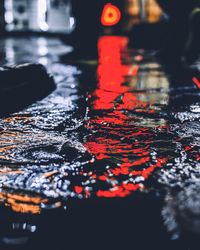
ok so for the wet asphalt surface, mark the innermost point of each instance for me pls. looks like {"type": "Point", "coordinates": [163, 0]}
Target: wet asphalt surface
{"type": "Point", "coordinates": [110, 159]}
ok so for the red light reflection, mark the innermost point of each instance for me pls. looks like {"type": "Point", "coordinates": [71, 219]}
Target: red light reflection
{"type": "Point", "coordinates": [112, 99]}
{"type": "Point", "coordinates": [196, 81]}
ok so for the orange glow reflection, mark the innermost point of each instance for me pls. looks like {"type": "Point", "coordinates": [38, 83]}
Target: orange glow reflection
{"type": "Point", "coordinates": [22, 203]}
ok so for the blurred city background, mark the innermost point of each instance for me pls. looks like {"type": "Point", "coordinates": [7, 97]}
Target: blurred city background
{"type": "Point", "coordinates": [40, 15]}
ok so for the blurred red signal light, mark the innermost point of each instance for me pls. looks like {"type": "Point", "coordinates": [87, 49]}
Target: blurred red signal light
{"type": "Point", "coordinates": [111, 15]}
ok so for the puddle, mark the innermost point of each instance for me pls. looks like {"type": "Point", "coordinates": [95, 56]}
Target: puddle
{"type": "Point", "coordinates": [113, 135]}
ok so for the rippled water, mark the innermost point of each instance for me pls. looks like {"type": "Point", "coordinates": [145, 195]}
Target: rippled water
{"type": "Point", "coordinates": [108, 135]}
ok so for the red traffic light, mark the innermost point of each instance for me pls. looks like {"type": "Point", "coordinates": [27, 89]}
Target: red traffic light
{"type": "Point", "coordinates": [111, 15]}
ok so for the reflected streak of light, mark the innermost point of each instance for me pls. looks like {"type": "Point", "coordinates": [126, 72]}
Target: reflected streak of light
{"type": "Point", "coordinates": [196, 81]}
{"type": "Point", "coordinates": [111, 75]}
{"type": "Point", "coordinates": [22, 203]}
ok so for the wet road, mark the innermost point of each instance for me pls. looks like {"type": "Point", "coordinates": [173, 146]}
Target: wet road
{"type": "Point", "coordinates": [110, 158]}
